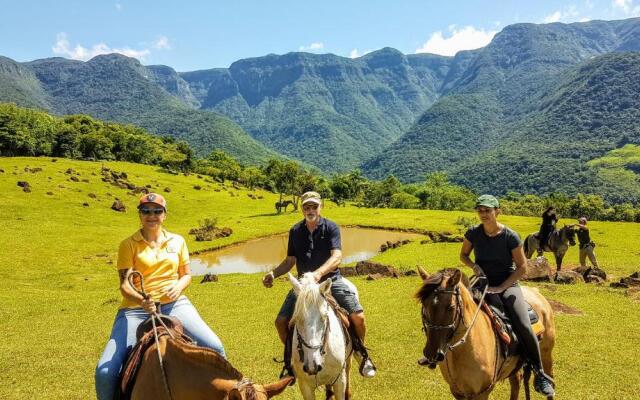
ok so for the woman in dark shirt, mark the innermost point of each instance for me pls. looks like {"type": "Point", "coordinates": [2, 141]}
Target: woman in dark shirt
{"type": "Point", "coordinates": [496, 249]}
{"type": "Point", "coordinates": [549, 219]}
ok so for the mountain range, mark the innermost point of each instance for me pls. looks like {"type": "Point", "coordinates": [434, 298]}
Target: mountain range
{"type": "Point", "coordinates": [526, 113]}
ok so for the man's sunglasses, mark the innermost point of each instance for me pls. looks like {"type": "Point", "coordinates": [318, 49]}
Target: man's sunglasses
{"type": "Point", "coordinates": [149, 211]}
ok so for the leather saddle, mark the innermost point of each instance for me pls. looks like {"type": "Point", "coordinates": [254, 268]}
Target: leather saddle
{"type": "Point", "coordinates": [146, 339]}
{"type": "Point", "coordinates": [502, 326]}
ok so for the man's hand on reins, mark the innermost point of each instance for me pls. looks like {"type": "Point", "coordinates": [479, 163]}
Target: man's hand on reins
{"type": "Point", "coordinates": [267, 279]}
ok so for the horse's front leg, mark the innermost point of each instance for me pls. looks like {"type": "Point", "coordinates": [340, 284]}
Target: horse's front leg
{"type": "Point", "coordinates": [308, 391]}
{"type": "Point", "coordinates": [514, 383]}
{"type": "Point", "coordinates": [559, 258]}
{"type": "Point", "coordinates": [340, 387]}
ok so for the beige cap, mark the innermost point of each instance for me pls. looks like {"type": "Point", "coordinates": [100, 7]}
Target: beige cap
{"type": "Point", "coordinates": [311, 197]}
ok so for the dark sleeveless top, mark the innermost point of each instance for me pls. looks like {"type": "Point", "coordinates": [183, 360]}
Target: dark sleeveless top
{"type": "Point", "coordinates": [493, 254]}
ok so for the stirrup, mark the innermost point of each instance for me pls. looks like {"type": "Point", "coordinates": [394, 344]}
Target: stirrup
{"type": "Point", "coordinates": [542, 382]}
{"type": "Point", "coordinates": [361, 369]}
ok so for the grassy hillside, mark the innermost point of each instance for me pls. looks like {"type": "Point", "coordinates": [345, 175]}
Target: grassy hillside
{"type": "Point", "coordinates": [59, 288]}
{"type": "Point", "coordinates": [528, 112]}
{"type": "Point", "coordinates": [332, 112]}
{"type": "Point", "coordinates": [113, 87]}
{"type": "Point", "coordinates": [19, 84]}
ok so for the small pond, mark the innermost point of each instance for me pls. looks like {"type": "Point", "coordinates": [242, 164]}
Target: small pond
{"type": "Point", "coordinates": [261, 255]}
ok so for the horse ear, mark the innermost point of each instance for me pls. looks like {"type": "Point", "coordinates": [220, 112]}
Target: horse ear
{"type": "Point", "coordinates": [274, 389]}
{"type": "Point", "coordinates": [295, 283]}
{"type": "Point", "coordinates": [325, 287]}
{"type": "Point", "coordinates": [455, 278]}
{"type": "Point", "coordinates": [423, 274]}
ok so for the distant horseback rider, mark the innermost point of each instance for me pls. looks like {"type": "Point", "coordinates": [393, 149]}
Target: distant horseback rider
{"type": "Point", "coordinates": [549, 219]}
{"type": "Point", "coordinates": [315, 246]}
{"type": "Point", "coordinates": [499, 256]}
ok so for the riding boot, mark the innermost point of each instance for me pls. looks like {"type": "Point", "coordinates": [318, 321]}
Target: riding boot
{"type": "Point", "coordinates": [367, 368]}
{"type": "Point", "coordinates": [541, 246]}
{"type": "Point", "coordinates": [543, 383]}
{"type": "Point", "coordinates": [287, 370]}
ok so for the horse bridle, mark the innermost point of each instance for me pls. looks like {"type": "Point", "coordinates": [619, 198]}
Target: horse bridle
{"type": "Point", "coordinates": [455, 323]}
{"type": "Point", "coordinates": [322, 346]}
{"type": "Point", "coordinates": [459, 317]}
{"type": "Point", "coordinates": [243, 384]}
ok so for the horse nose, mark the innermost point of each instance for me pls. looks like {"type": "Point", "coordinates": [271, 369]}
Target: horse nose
{"type": "Point", "coordinates": [319, 368]}
{"type": "Point", "coordinates": [440, 356]}
{"type": "Point", "coordinates": [311, 371]}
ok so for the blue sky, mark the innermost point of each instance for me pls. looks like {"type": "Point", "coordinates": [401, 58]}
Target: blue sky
{"type": "Point", "coordinates": [191, 35]}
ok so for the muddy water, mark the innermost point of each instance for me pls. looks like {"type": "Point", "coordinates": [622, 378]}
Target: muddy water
{"type": "Point", "coordinates": [261, 255]}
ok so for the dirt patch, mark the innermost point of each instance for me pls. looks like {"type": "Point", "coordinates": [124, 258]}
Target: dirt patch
{"type": "Point", "coordinates": [561, 308]}
{"type": "Point", "coordinates": [208, 233]}
{"type": "Point", "coordinates": [393, 245]}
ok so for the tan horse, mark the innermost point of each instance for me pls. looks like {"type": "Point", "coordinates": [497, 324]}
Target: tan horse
{"type": "Point", "coordinates": [472, 368]}
{"type": "Point", "coordinates": [195, 373]}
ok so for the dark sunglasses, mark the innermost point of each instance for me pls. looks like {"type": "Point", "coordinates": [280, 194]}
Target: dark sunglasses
{"type": "Point", "coordinates": [149, 211]}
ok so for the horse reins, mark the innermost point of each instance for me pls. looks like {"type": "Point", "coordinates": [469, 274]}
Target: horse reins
{"type": "Point", "coordinates": [155, 315]}
{"type": "Point", "coordinates": [459, 316]}
{"type": "Point", "coordinates": [456, 323]}
{"type": "Point", "coordinates": [323, 346]}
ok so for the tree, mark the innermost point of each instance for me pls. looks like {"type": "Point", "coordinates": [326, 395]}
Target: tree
{"type": "Point", "coordinates": [281, 176]}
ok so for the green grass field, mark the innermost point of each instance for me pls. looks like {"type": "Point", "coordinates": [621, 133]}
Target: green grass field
{"type": "Point", "coordinates": [59, 287]}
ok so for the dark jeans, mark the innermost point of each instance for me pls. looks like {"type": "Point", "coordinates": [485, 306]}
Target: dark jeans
{"type": "Point", "coordinates": [544, 234]}
{"type": "Point", "coordinates": [516, 308]}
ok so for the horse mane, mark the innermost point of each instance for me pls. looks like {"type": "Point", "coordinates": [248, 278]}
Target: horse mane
{"type": "Point", "coordinates": [434, 281]}
{"type": "Point", "coordinates": [308, 297]}
{"type": "Point", "coordinates": [207, 356]}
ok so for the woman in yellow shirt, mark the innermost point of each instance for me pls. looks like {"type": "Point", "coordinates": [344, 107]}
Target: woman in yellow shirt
{"type": "Point", "coordinates": [163, 260]}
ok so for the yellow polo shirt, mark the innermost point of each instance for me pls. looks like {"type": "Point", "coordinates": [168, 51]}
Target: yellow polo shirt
{"type": "Point", "coordinates": [158, 266]}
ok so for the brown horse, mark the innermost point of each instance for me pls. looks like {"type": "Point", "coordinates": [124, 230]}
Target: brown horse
{"type": "Point", "coordinates": [558, 244]}
{"type": "Point", "coordinates": [473, 364]}
{"type": "Point", "coordinates": [195, 373]}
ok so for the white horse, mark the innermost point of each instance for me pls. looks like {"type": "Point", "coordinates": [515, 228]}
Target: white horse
{"type": "Point", "coordinates": [321, 352]}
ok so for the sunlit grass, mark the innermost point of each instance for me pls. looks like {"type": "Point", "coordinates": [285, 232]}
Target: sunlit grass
{"type": "Point", "coordinates": [59, 289]}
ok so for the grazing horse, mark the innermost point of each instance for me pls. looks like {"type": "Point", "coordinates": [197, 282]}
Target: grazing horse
{"type": "Point", "coordinates": [323, 356]}
{"type": "Point", "coordinates": [283, 204]}
{"type": "Point", "coordinates": [189, 372]}
{"type": "Point", "coordinates": [463, 343]}
{"type": "Point", "coordinates": [558, 244]}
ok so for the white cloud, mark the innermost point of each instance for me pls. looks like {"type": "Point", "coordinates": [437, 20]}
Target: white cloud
{"type": "Point", "coordinates": [62, 47]}
{"type": "Point", "coordinates": [119, 6]}
{"type": "Point", "coordinates": [466, 38]}
{"type": "Point", "coordinates": [555, 17]}
{"type": "Point", "coordinates": [312, 47]}
{"type": "Point", "coordinates": [162, 43]}
{"type": "Point", "coordinates": [624, 5]}
{"type": "Point", "coordinates": [585, 19]}
{"type": "Point", "coordinates": [569, 14]}
{"type": "Point", "coordinates": [355, 53]}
